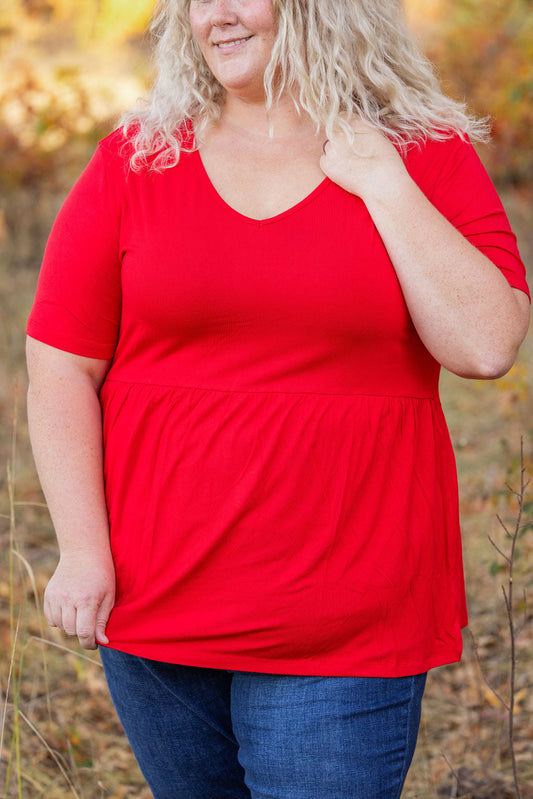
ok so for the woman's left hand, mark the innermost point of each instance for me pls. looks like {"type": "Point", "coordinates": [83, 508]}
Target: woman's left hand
{"type": "Point", "coordinates": [366, 166]}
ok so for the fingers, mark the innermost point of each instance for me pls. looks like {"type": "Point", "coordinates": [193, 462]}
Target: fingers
{"type": "Point", "coordinates": [87, 622]}
{"type": "Point", "coordinates": [68, 620]}
{"type": "Point", "coordinates": [80, 596]}
{"type": "Point", "coordinates": [101, 621]}
{"type": "Point", "coordinates": [364, 164]}
{"type": "Point", "coordinates": [48, 613]}
{"type": "Point", "coordinates": [85, 626]}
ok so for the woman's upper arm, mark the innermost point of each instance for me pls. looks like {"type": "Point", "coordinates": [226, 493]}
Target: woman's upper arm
{"type": "Point", "coordinates": [78, 302]}
{"type": "Point", "coordinates": [455, 181]}
{"type": "Point", "coordinates": [524, 309]}
{"type": "Point", "coordinates": [48, 365]}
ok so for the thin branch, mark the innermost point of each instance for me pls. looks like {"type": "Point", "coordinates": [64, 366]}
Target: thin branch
{"type": "Point", "coordinates": [507, 602]}
{"type": "Point", "coordinates": [459, 785]}
{"type": "Point", "coordinates": [502, 523]}
{"type": "Point", "coordinates": [508, 599]}
{"type": "Point", "coordinates": [498, 550]}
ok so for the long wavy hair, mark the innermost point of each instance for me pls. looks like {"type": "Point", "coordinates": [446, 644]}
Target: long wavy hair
{"type": "Point", "coordinates": [336, 58]}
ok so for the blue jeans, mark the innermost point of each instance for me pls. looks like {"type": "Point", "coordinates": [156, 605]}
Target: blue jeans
{"type": "Point", "coordinates": [200, 733]}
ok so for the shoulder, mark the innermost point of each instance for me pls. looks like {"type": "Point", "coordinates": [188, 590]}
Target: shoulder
{"type": "Point", "coordinates": [446, 164]}
{"type": "Point", "coordinates": [122, 143]}
{"type": "Point", "coordinates": [437, 153]}
{"type": "Point", "coordinates": [117, 146]}
{"type": "Point", "coordinates": [114, 159]}
{"type": "Point", "coordinates": [105, 177]}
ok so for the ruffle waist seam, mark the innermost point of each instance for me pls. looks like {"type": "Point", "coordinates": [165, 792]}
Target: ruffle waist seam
{"type": "Point", "coordinates": [179, 387]}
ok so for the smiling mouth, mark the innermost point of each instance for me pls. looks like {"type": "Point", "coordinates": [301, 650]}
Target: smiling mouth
{"type": "Point", "coordinates": [233, 43]}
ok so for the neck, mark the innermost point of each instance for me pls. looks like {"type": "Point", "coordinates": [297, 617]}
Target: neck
{"type": "Point", "coordinates": [252, 119]}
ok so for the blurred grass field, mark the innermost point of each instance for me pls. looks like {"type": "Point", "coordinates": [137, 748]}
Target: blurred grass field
{"type": "Point", "coordinates": [67, 70]}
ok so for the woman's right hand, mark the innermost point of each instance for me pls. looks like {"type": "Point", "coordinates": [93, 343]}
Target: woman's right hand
{"type": "Point", "coordinates": [81, 595]}
{"type": "Point", "coordinates": [65, 422]}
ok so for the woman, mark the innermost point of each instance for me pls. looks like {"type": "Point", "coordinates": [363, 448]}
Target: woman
{"type": "Point", "coordinates": [247, 297]}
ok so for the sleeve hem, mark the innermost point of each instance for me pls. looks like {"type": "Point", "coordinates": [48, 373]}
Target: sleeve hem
{"type": "Point", "coordinates": [86, 349]}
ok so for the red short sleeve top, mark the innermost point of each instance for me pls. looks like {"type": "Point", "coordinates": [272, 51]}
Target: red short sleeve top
{"type": "Point", "coordinates": [279, 476]}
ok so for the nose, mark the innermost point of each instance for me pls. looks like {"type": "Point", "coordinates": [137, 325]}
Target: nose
{"type": "Point", "coordinates": [224, 13]}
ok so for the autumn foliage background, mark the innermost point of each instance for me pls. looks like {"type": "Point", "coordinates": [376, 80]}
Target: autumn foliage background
{"type": "Point", "coordinates": [67, 70]}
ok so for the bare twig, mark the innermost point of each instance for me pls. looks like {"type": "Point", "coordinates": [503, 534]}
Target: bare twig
{"type": "Point", "coordinates": [498, 550]}
{"type": "Point", "coordinates": [502, 523]}
{"type": "Point", "coordinates": [458, 786]}
{"type": "Point", "coordinates": [507, 591]}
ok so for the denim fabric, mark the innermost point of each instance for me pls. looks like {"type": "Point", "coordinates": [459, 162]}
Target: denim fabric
{"type": "Point", "coordinates": [200, 733]}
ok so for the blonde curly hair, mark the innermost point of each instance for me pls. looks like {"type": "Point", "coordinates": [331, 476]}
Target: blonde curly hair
{"type": "Point", "coordinates": [336, 59]}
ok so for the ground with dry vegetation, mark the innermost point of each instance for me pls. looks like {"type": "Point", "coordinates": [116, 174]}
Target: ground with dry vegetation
{"type": "Point", "coordinates": [59, 735]}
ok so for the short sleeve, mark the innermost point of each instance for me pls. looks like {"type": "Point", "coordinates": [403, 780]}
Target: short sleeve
{"type": "Point", "coordinates": [453, 178]}
{"type": "Point", "coordinates": [78, 300]}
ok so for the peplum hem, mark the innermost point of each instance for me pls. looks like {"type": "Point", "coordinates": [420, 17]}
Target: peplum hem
{"type": "Point", "coordinates": [267, 539]}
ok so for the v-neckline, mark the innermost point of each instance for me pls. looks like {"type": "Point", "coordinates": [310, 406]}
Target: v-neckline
{"type": "Point", "coordinates": [266, 220]}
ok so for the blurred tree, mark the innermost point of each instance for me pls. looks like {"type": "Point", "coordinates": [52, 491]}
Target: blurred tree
{"type": "Point", "coordinates": [91, 21]}
{"type": "Point", "coordinates": [484, 51]}
{"type": "Point", "coordinates": [125, 17]}
{"type": "Point", "coordinates": [103, 21]}
{"type": "Point", "coordinates": [68, 67]}
{"type": "Point", "coordinates": [50, 102]}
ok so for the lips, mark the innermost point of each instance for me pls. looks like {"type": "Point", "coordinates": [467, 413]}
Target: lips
{"type": "Point", "coordinates": [231, 43]}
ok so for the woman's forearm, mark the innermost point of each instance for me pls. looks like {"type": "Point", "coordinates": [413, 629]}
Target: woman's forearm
{"type": "Point", "coordinates": [464, 310]}
{"type": "Point", "coordinates": [66, 433]}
